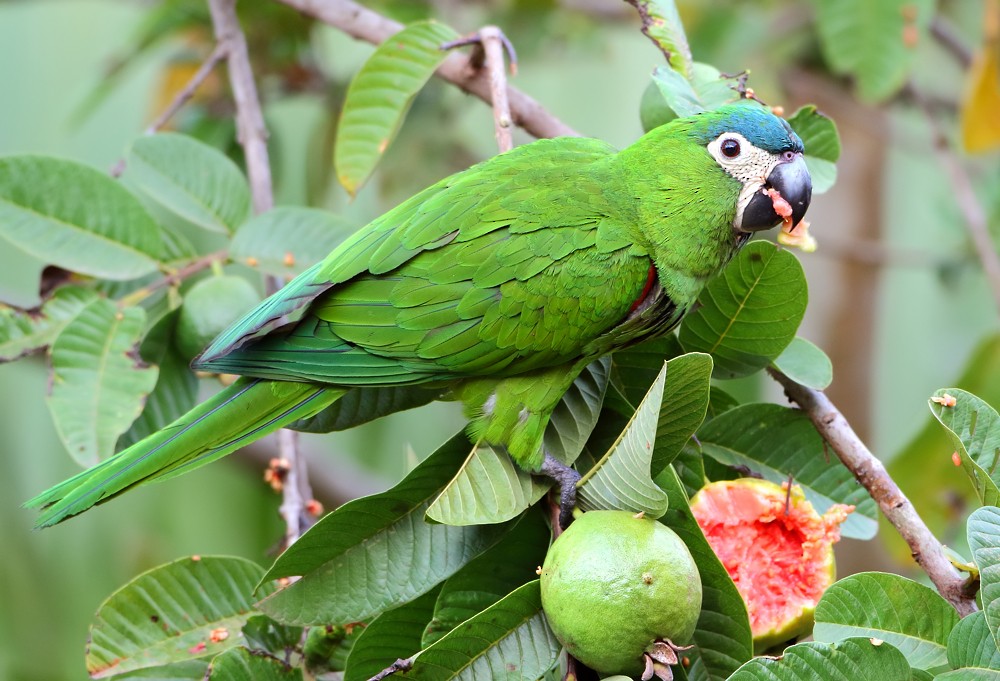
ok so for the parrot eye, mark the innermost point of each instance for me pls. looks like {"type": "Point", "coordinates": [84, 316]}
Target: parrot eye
{"type": "Point", "coordinates": [730, 148]}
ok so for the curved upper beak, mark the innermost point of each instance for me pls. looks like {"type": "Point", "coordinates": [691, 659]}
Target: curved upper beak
{"type": "Point", "coordinates": [791, 179]}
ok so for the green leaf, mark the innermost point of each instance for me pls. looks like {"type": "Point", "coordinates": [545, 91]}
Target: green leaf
{"type": "Point", "coordinates": [327, 648]}
{"type": "Point", "coordinates": [662, 24]}
{"type": "Point", "coordinates": [974, 429]}
{"type": "Point", "coordinates": [287, 240]}
{"type": "Point", "coordinates": [189, 670]}
{"type": "Point", "coordinates": [776, 442]}
{"type": "Point", "coordinates": [190, 179]}
{"type": "Point", "coordinates": [868, 41]}
{"type": "Point", "coordinates": [26, 331]}
{"type": "Point", "coordinates": [805, 363]}
{"type": "Point", "coordinates": [362, 405]}
{"type": "Point", "coordinates": [510, 639]}
{"type": "Point", "coordinates": [749, 313]}
{"type": "Point", "coordinates": [98, 384]}
{"type": "Point", "coordinates": [490, 576]}
{"type": "Point", "coordinates": [491, 488]}
{"type": "Point", "coordinates": [240, 664]}
{"type": "Point", "coordinates": [264, 634]}
{"type": "Point", "coordinates": [167, 615]}
{"type": "Point", "coordinates": [984, 542]}
{"type": "Point", "coordinates": [822, 144]}
{"type": "Point", "coordinates": [380, 95]}
{"type": "Point", "coordinates": [71, 215]}
{"type": "Point", "coordinates": [910, 616]}
{"type": "Point", "coordinates": [376, 553]}
{"type": "Point", "coordinates": [390, 636]}
{"type": "Point", "coordinates": [636, 368]}
{"type": "Point", "coordinates": [176, 389]}
{"type": "Point", "coordinates": [722, 636]}
{"type": "Point", "coordinates": [853, 659]}
{"type": "Point", "coordinates": [707, 89]}
{"type": "Point", "coordinates": [620, 480]}
{"type": "Point", "coordinates": [971, 648]}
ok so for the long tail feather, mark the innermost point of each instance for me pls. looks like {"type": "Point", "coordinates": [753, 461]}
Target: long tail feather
{"type": "Point", "coordinates": [245, 411]}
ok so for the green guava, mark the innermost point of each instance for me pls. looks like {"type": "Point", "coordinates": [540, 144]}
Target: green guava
{"type": "Point", "coordinates": [777, 549]}
{"type": "Point", "coordinates": [210, 306]}
{"type": "Point", "coordinates": [621, 592]}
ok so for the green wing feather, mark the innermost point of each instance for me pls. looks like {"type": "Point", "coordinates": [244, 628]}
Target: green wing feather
{"type": "Point", "coordinates": [243, 412]}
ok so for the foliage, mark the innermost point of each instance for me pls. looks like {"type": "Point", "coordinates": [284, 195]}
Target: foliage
{"type": "Point", "coordinates": [439, 568]}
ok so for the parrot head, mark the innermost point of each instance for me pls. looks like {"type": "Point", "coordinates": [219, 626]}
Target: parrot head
{"type": "Point", "coordinates": [761, 151]}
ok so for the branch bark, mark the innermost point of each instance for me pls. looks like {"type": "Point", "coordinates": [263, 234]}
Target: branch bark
{"type": "Point", "coordinates": [869, 471]}
{"type": "Point", "coordinates": [182, 97]}
{"type": "Point", "coordinates": [252, 136]}
{"type": "Point", "coordinates": [364, 24]}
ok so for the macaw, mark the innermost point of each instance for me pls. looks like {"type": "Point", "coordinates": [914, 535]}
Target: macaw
{"type": "Point", "coordinates": [497, 285]}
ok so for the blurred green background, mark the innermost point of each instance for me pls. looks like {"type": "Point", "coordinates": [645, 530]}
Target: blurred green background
{"type": "Point", "coordinates": [897, 296]}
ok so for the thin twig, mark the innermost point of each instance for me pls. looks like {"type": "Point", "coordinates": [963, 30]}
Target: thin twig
{"type": "Point", "coordinates": [364, 24]}
{"type": "Point", "coordinates": [182, 97]}
{"type": "Point", "coordinates": [870, 472]}
{"type": "Point", "coordinates": [490, 45]}
{"type": "Point", "coordinates": [252, 135]}
{"type": "Point", "coordinates": [173, 278]}
{"type": "Point", "coordinates": [948, 37]}
{"type": "Point", "coordinates": [972, 210]}
{"type": "Point", "coordinates": [400, 665]}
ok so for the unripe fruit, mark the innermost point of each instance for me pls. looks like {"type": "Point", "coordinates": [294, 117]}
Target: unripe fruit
{"type": "Point", "coordinates": [615, 584]}
{"type": "Point", "coordinates": [210, 306]}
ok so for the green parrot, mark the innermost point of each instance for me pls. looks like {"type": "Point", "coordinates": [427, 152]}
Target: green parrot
{"type": "Point", "coordinates": [497, 285]}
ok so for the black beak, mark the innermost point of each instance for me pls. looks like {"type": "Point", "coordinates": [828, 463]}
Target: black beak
{"type": "Point", "coordinates": [791, 179]}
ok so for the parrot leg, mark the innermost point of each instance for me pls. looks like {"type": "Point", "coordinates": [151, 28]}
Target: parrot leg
{"type": "Point", "coordinates": [566, 478]}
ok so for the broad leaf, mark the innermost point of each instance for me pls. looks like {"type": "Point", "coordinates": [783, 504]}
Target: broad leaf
{"type": "Point", "coordinates": [980, 124]}
{"type": "Point", "coordinates": [804, 363]}
{"type": "Point", "coordinates": [872, 41]}
{"type": "Point", "coordinates": [972, 649]}
{"type": "Point", "coordinates": [376, 553]}
{"type": "Point", "coordinates": [264, 634]}
{"type": "Point", "coordinates": [509, 639]}
{"type": "Point", "coordinates": [974, 429]}
{"type": "Point", "coordinates": [490, 576]}
{"type": "Point", "coordinates": [98, 383]}
{"type": "Point", "coordinates": [287, 240]}
{"type": "Point", "coordinates": [910, 616]}
{"type": "Point", "coordinates": [620, 480]}
{"type": "Point", "coordinates": [853, 659]}
{"type": "Point", "coordinates": [491, 488]}
{"type": "Point", "coordinates": [707, 89]}
{"type": "Point", "coordinates": [380, 95]}
{"type": "Point", "coordinates": [189, 670]}
{"type": "Point", "coordinates": [240, 664]}
{"type": "Point", "coordinates": [190, 179]}
{"type": "Point", "coordinates": [662, 24]}
{"type": "Point", "coordinates": [176, 389]}
{"type": "Point", "coordinates": [984, 541]}
{"type": "Point", "coordinates": [722, 635]}
{"type": "Point", "coordinates": [822, 145]}
{"type": "Point", "coordinates": [362, 405]}
{"type": "Point", "coordinates": [390, 636]}
{"type": "Point", "coordinates": [776, 442]}
{"type": "Point", "coordinates": [749, 313]}
{"type": "Point", "coordinates": [26, 331]}
{"type": "Point", "coordinates": [184, 610]}
{"type": "Point", "coordinates": [76, 217]}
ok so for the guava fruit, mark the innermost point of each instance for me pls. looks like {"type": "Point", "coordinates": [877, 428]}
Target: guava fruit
{"type": "Point", "coordinates": [210, 306]}
{"type": "Point", "coordinates": [777, 549]}
{"type": "Point", "coordinates": [621, 593]}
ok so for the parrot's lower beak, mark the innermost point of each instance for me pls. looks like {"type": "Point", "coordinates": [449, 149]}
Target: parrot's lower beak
{"type": "Point", "coordinates": [785, 195]}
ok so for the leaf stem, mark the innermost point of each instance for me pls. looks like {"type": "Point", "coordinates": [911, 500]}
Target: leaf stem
{"type": "Point", "coordinates": [174, 278]}
{"type": "Point", "coordinates": [927, 551]}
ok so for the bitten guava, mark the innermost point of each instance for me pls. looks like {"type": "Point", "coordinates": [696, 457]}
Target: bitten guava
{"type": "Point", "coordinates": [621, 592]}
{"type": "Point", "coordinates": [777, 549]}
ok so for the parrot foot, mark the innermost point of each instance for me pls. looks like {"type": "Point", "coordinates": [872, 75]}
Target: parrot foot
{"type": "Point", "coordinates": [566, 478]}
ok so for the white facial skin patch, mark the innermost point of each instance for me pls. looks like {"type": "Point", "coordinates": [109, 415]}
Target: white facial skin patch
{"type": "Point", "coordinates": [750, 165]}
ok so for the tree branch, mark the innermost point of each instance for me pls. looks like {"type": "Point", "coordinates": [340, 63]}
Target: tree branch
{"type": "Point", "coordinates": [364, 24]}
{"type": "Point", "coordinates": [870, 472]}
{"type": "Point", "coordinates": [182, 97]}
{"type": "Point", "coordinates": [252, 135]}
{"type": "Point", "coordinates": [948, 37]}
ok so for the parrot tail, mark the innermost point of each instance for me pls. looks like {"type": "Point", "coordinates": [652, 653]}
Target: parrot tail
{"type": "Point", "coordinates": [245, 411]}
